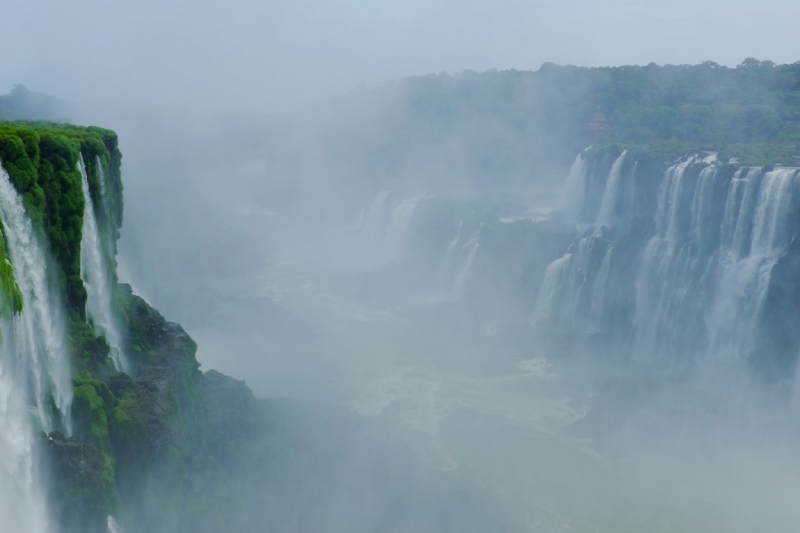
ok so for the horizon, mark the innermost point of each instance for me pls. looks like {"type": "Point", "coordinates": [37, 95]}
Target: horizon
{"type": "Point", "coordinates": [270, 57]}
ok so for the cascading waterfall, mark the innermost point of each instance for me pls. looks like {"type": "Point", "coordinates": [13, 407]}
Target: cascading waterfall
{"type": "Point", "coordinates": [384, 234]}
{"type": "Point", "coordinates": [34, 368]}
{"type": "Point", "coordinates": [612, 192]}
{"type": "Point", "coordinates": [112, 525]}
{"type": "Point", "coordinates": [551, 287]}
{"type": "Point", "coordinates": [110, 242]}
{"type": "Point", "coordinates": [396, 237]}
{"type": "Point", "coordinates": [571, 283]}
{"type": "Point", "coordinates": [456, 264]}
{"type": "Point", "coordinates": [701, 276]}
{"type": "Point", "coordinates": [448, 254]}
{"type": "Point", "coordinates": [384, 230]}
{"type": "Point", "coordinates": [373, 225]}
{"type": "Point", "coordinates": [96, 276]}
{"type": "Point", "coordinates": [599, 291]}
{"type": "Point", "coordinates": [574, 188]}
{"type": "Point", "coordinates": [460, 282]}
{"type": "Point", "coordinates": [40, 330]}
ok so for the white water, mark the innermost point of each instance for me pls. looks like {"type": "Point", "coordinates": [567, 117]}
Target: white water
{"type": "Point", "coordinates": [396, 237]}
{"type": "Point", "coordinates": [549, 289]}
{"type": "Point", "coordinates": [743, 278]}
{"type": "Point", "coordinates": [574, 189]}
{"type": "Point", "coordinates": [39, 331]}
{"type": "Point", "coordinates": [460, 282]}
{"type": "Point", "coordinates": [611, 193]}
{"type": "Point", "coordinates": [446, 265]}
{"type": "Point", "coordinates": [599, 293]}
{"type": "Point", "coordinates": [702, 277]}
{"type": "Point", "coordinates": [95, 273]}
{"type": "Point", "coordinates": [113, 527]}
{"type": "Point", "coordinates": [34, 364]}
{"type": "Point", "coordinates": [373, 226]}
{"type": "Point", "coordinates": [384, 229]}
{"type": "Point", "coordinates": [110, 243]}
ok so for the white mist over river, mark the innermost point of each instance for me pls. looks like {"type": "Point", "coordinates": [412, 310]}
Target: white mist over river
{"type": "Point", "coordinates": [411, 347]}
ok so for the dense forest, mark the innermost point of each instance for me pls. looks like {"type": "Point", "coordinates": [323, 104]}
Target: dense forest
{"type": "Point", "coordinates": [505, 128]}
{"type": "Point", "coordinates": [502, 128]}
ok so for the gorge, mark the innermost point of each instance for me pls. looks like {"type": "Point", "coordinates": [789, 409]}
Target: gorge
{"type": "Point", "coordinates": [452, 317]}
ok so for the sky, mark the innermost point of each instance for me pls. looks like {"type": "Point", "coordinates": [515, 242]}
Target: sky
{"type": "Point", "coordinates": [276, 56]}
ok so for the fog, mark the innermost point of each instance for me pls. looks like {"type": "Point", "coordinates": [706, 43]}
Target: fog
{"type": "Point", "coordinates": [277, 56]}
{"type": "Point", "coordinates": [428, 396]}
{"type": "Point", "coordinates": [378, 264]}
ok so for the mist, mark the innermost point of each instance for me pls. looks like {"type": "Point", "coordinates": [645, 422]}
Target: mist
{"type": "Point", "coordinates": [278, 56]}
{"type": "Point", "coordinates": [456, 309]}
{"type": "Point", "coordinates": [394, 296]}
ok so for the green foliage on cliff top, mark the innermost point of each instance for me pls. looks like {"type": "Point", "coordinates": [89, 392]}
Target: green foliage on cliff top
{"type": "Point", "coordinates": [42, 161]}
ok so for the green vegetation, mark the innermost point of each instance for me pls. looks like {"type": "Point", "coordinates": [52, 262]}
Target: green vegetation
{"type": "Point", "coordinates": [42, 161]}
{"type": "Point", "coordinates": [506, 127]}
{"type": "Point", "coordinates": [92, 403]}
{"type": "Point", "coordinates": [168, 426]}
{"type": "Point", "coordinates": [11, 300]}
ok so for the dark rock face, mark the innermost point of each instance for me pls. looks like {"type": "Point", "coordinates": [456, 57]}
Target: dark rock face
{"type": "Point", "coordinates": [775, 356]}
{"type": "Point", "coordinates": [77, 483]}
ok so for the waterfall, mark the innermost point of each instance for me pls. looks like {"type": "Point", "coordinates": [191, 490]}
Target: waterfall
{"type": "Point", "coordinates": [451, 246]}
{"type": "Point", "coordinates": [96, 276]}
{"type": "Point", "coordinates": [373, 225]}
{"type": "Point", "coordinates": [384, 232]}
{"type": "Point", "coordinates": [549, 290]}
{"type": "Point", "coordinates": [611, 192]}
{"type": "Point", "coordinates": [112, 525]}
{"type": "Point", "coordinates": [572, 192]}
{"type": "Point", "coordinates": [39, 331]}
{"type": "Point", "coordinates": [571, 283]}
{"type": "Point", "coordinates": [396, 237]}
{"type": "Point", "coordinates": [444, 275]}
{"type": "Point", "coordinates": [108, 216]}
{"type": "Point", "coordinates": [743, 277]}
{"type": "Point", "coordinates": [460, 282]}
{"type": "Point", "coordinates": [698, 283]}
{"type": "Point", "coordinates": [599, 292]}
{"type": "Point", "coordinates": [34, 368]}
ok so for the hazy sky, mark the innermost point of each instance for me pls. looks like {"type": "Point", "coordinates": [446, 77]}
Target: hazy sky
{"type": "Point", "coordinates": [276, 55]}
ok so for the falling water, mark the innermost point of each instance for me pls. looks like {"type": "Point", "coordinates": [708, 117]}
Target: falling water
{"type": "Point", "coordinates": [702, 278]}
{"type": "Point", "coordinates": [107, 211]}
{"type": "Point", "coordinates": [611, 193]}
{"type": "Point", "coordinates": [112, 526]}
{"type": "Point", "coordinates": [550, 289]}
{"type": "Point", "coordinates": [743, 278]}
{"type": "Point", "coordinates": [396, 237]}
{"type": "Point", "coordinates": [39, 331]}
{"type": "Point", "coordinates": [460, 281]}
{"type": "Point", "coordinates": [373, 226]}
{"type": "Point", "coordinates": [34, 369]}
{"type": "Point", "coordinates": [451, 246]}
{"type": "Point", "coordinates": [444, 275]}
{"type": "Point", "coordinates": [573, 190]}
{"type": "Point", "coordinates": [96, 276]}
{"type": "Point", "coordinates": [599, 293]}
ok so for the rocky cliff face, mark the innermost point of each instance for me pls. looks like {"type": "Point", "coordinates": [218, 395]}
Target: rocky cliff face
{"type": "Point", "coordinates": [679, 262]}
{"type": "Point", "coordinates": [138, 431]}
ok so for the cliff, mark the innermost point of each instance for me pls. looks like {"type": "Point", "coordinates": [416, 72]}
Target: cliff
{"type": "Point", "coordinates": [678, 261]}
{"type": "Point", "coordinates": [141, 432]}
